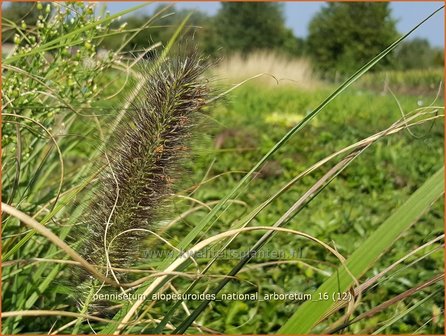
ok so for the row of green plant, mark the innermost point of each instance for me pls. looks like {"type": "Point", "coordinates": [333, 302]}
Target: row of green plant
{"type": "Point", "coordinates": [427, 82]}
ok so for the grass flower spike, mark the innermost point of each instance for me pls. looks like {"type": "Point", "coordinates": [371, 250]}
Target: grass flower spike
{"type": "Point", "coordinates": [143, 162]}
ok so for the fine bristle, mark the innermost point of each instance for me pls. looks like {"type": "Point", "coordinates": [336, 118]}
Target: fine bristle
{"type": "Point", "coordinates": [142, 161]}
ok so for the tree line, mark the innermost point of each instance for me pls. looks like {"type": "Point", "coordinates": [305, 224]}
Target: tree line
{"type": "Point", "coordinates": [342, 36]}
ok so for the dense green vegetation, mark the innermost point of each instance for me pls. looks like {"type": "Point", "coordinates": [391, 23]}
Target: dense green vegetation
{"type": "Point", "coordinates": [60, 106]}
{"type": "Point", "coordinates": [353, 205]}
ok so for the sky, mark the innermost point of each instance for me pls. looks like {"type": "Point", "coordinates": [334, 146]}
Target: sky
{"type": "Point", "coordinates": [299, 14]}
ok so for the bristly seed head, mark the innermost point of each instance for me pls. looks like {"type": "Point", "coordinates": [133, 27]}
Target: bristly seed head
{"type": "Point", "coordinates": [143, 160]}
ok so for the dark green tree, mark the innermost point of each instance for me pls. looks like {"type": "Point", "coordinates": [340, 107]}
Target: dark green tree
{"type": "Point", "coordinates": [439, 57]}
{"type": "Point", "coordinates": [417, 54]}
{"type": "Point", "coordinates": [248, 26]}
{"type": "Point", "coordinates": [345, 35]}
{"type": "Point", "coordinates": [163, 24]}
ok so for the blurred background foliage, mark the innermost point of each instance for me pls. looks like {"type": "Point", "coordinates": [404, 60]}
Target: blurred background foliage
{"type": "Point", "coordinates": [341, 35]}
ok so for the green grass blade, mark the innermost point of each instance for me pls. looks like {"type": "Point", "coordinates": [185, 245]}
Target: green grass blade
{"type": "Point", "coordinates": [364, 257]}
{"type": "Point", "coordinates": [258, 245]}
{"type": "Point", "coordinates": [206, 222]}
{"type": "Point", "coordinates": [400, 316]}
{"type": "Point", "coordinates": [76, 32]}
{"type": "Point", "coordinates": [64, 201]}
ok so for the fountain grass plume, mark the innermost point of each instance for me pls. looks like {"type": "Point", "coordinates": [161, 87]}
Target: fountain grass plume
{"type": "Point", "coordinates": [142, 164]}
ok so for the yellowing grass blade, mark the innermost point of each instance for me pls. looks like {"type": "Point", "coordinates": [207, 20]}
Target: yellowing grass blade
{"type": "Point", "coordinates": [365, 256]}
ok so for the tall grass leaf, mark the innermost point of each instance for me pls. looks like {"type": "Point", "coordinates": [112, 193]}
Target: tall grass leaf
{"type": "Point", "coordinates": [404, 313]}
{"type": "Point", "coordinates": [309, 313]}
{"type": "Point", "coordinates": [66, 199]}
